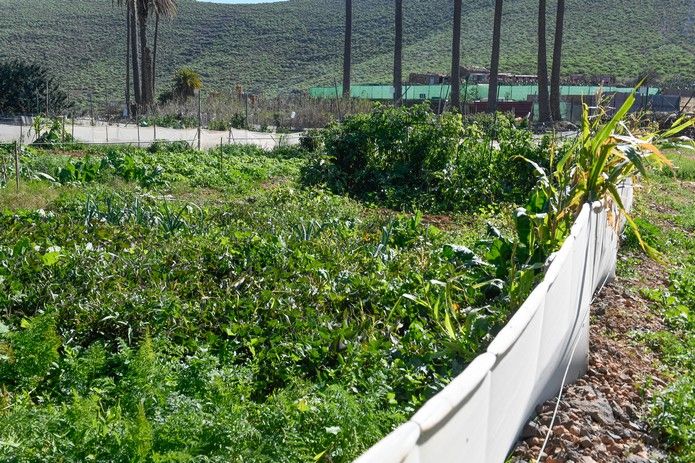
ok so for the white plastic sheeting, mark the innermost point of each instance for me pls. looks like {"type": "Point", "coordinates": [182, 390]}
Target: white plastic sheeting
{"type": "Point", "coordinates": [478, 416]}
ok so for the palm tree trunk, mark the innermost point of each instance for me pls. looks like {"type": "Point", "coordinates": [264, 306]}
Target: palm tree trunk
{"type": "Point", "coordinates": [127, 61]}
{"type": "Point", "coordinates": [154, 52]}
{"type": "Point", "coordinates": [557, 62]}
{"type": "Point", "coordinates": [495, 58]}
{"type": "Point", "coordinates": [456, 58]}
{"type": "Point", "coordinates": [347, 52]}
{"type": "Point", "coordinates": [137, 87]}
{"type": "Point", "coordinates": [543, 99]}
{"type": "Point", "coordinates": [145, 57]}
{"type": "Point", "coordinates": [398, 56]}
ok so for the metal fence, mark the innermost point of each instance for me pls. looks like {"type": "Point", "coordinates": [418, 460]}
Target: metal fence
{"type": "Point", "coordinates": [103, 132]}
{"type": "Point", "coordinates": [479, 415]}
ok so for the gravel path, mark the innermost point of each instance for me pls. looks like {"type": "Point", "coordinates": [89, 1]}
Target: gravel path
{"type": "Point", "coordinates": [599, 417]}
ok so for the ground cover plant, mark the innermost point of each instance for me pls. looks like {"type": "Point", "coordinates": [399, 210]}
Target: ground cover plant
{"type": "Point", "coordinates": [172, 305]}
{"type": "Point", "coordinates": [670, 227]}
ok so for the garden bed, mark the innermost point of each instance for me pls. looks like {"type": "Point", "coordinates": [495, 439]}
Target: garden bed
{"type": "Point", "coordinates": [188, 306]}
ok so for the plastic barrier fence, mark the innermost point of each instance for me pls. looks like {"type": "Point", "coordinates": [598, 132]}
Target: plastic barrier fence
{"type": "Point", "coordinates": [479, 415]}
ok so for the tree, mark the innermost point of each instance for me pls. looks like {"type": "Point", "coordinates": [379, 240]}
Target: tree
{"type": "Point", "coordinates": [398, 56]}
{"type": "Point", "coordinates": [495, 58]}
{"type": "Point", "coordinates": [143, 60]}
{"type": "Point", "coordinates": [347, 51]}
{"type": "Point", "coordinates": [456, 58]}
{"type": "Point", "coordinates": [543, 99]}
{"type": "Point", "coordinates": [186, 82]}
{"type": "Point", "coordinates": [143, 11]}
{"type": "Point", "coordinates": [29, 89]}
{"type": "Point", "coordinates": [557, 62]}
{"type": "Point", "coordinates": [162, 8]}
{"type": "Point", "coordinates": [127, 62]}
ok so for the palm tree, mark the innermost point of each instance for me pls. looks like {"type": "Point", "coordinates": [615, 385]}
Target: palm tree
{"type": "Point", "coordinates": [543, 99]}
{"type": "Point", "coordinates": [398, 56]}
{"type": "Point", "coordinates": [456, 58]}
{"type": "Point", "coordinates": [145, 53]}
{"type": "Point", "coordinates": [557, 62]}
{"type": "Point", "coordinates": [495, 59]}
{"type": "Point", "coordinates": [166, 8]}
{"type": "Point", "coordinates": [127, 62]}
{"type": "Point", "coordinates": [186, 82]}
{"type": "Point", "coordinates": [347, 53]}
{"type": "Point", "coordinates": [139, 12]}
{"type": "Point", "coordinates": [132, 45]}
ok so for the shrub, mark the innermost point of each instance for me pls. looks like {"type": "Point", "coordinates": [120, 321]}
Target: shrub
{"type": "Point", "coordinates": [409, 156]}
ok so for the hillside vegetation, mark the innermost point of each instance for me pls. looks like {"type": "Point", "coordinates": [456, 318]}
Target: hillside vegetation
{"type": "Point", "coordinates": [294, 44]}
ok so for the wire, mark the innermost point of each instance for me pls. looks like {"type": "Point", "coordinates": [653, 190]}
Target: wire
{"type": "Point", "coordinates": [564, 377]}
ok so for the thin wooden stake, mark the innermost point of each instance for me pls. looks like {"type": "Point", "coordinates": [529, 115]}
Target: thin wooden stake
{"type": "Point", "coordinates": [4, 167]}
{"type": "Point", "coordinates": [16, 165]}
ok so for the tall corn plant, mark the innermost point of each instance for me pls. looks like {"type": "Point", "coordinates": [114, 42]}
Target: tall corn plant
{"type": "Point", "coordinates": [592, 168]}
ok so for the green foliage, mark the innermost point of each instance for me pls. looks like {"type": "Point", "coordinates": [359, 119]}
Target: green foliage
{"type": "Point", "coordinates": [185, 83]}
{"type": "Point", "coordinates": [592, 168]}
{"type": "Point", "coordinates": [406, 156]}
{"type": "Point", "coordinates": [49, 132]}
{"type": "Point", "coordinates": [672, 408]}
{"type": "Point", "coordinates": [24, 88]}
{"type": "Point", "coordinates": [27, 355]}
{"type": "Point", "coordinates": [203, 306]}
{"type": "Point", "coordinates": [670, 226]}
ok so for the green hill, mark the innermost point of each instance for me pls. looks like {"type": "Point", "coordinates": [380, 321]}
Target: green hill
{"type": "Point", "coordinates": [291, 45]}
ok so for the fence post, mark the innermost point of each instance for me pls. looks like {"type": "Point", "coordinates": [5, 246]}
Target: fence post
{"type": "Point", "coordinates": [73, 126]}
{"type": "Point", "coordinates": [62, 130]}
{"type": "Point", "coordinates": [200, 121]}
{"type": "Point", "coordinates": [16, 165]}
{"type": "Point", "coordinates": [4, 166]}
{"type": "Point", "coordinates": [137, 123]}
{"type": "Point", "coordinates": [154, 127]}
{"type": "Point", "coordinates": [21, 130]}
{"type": "Point", "coordinates": [221, 154]}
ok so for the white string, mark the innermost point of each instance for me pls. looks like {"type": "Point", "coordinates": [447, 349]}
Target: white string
{"type": "Point", "coordinates": [564, 377]}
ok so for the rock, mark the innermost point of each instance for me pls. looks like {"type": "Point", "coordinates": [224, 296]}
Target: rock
{"type": "Point", "coordinates": [631, 411]}
{"type": "Point", "coordinates": [618, 412]}
{"type": "Point", "coordinates": [598, 409]}
{"type": "Point", "coordinates": [587, 459]}
{"type": "Point", "coordinates": [532, 429]}
{"type": "Point", "coordinates": [636, 459]}
{"type": "Point", "coordinates": [575, 430]}
{"type": "Point", "coordinates": [586, 442]}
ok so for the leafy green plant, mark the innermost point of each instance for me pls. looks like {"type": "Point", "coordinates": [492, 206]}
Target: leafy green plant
{"type": "Point", "coordinates": [410, 156]}
{"type": "Point", "coordinates": [593, 168]}
{"type": "Point", "coordinates": [49, 131]}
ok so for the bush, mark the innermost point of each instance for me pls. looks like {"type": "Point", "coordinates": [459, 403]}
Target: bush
{"type": "Point", "coordinates": [410, 156]}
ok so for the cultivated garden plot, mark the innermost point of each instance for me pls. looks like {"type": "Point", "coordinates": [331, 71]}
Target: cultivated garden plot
{"type": "Point", "coordinates": [244, 305]}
